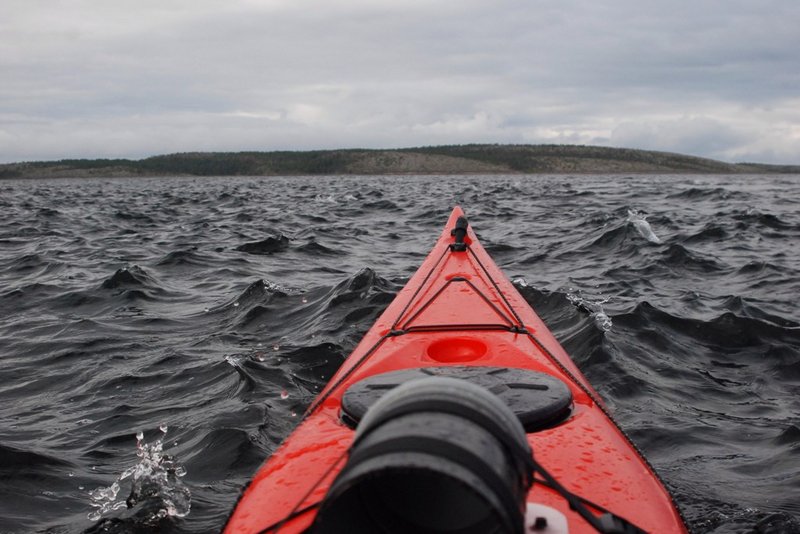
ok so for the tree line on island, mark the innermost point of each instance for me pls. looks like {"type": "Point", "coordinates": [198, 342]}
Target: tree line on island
{"type": "Point", "coordinates": [451, 159]}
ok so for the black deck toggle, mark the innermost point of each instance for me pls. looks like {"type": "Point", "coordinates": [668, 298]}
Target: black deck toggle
{"type": "Point", "coordinates": [459, 232]}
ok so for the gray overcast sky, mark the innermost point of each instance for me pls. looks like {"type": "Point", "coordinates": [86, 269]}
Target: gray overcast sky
{"type": "Point", "coordinates": [121, 78]}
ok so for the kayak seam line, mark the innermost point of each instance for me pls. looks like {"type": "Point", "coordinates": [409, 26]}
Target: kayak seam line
{"type": "Point", "coordinates": [594, 396]}
{"type": "Point", "coordinates": [580, 384]}
{"type": "Point", "coordinates": [441, 290]}
{"type": "Point", "coordinates": [329, 391]}
{"type": "Point", "coordinates": [579, 505]}
{"type": "Point", "coordinates": [426, 305]}
{"type": "Point", "coordinates": [297, 511]}
{"type": "Point", "coordinates": [419, 288]}
{"type": "Point", "coordinates": [490, 303]}
{"type": "Point", "coordinates": [496, 288]}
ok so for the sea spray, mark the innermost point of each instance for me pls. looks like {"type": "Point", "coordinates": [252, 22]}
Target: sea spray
{"type": "Point", "coordinates": [639, 221]}
{"type": "Point", "coordinates": [155, 485]}
{"type": "Point", "coordinates": [594, 307]}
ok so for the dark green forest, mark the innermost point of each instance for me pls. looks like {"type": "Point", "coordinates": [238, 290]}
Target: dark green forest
{"type": "Point", "coordinates": [456, 159]}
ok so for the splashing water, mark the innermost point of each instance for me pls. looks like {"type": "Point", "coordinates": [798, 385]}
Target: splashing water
{"type": "Point", "coordinates": [327, 199]}
{"type": "Point", "coordinates": [594, 307]}
{"type": "Point", "coordinates": [639, 221]}
{"type": "Point", "coordinates": [235, 359]}
{"type": "Point", "coordinates": [155, 485]}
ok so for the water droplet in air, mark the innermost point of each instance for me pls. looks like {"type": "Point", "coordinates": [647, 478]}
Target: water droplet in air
{"type": "Point", "coordinates": [163, 427]}
{"type": "Point", "coordinates": [276, 348]}
{"type": "Point", "coordinates": [305, 300]}
{"type": "Point", "coordinates": [139, 436]}
{"type": "Point", "coordinates": [284, 394]}
{"type": "Point", "coordinates": [294, 414]}
{"type": "Point", "coordinates": [235, 304]}
{"type": "Point", "coordinates": [206, 310]}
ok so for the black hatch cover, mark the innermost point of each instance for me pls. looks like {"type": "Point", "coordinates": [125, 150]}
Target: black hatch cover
{"type": "Point", "coordinates": [538, 399]}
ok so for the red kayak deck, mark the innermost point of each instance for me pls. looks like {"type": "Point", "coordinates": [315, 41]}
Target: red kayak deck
{"type": "Point", "coordinates": [460, 309]}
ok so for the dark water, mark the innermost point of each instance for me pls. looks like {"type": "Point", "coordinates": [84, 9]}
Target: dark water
{"type": "Point", "coordinates": [216, 309]}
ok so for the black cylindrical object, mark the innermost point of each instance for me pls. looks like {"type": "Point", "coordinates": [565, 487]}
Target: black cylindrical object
{"type": "Point", "coordinates": [433, 455]}
{"type": "Point", "coordinates": [460, 233]}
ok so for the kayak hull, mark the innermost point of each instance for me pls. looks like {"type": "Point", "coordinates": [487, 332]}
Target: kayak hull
{"type": "Point", "coordinates": [459, 309]}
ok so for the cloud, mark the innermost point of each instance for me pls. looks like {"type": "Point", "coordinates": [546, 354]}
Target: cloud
{"type": "Point", "coordinates": [131, 79]}
{"type": "Point", "coordinates": [688, 135]}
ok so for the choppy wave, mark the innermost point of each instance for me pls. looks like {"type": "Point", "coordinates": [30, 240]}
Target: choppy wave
{"type": "Point", "coordinates": [220, 307]}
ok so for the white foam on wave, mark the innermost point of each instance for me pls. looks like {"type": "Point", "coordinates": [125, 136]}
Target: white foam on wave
{"type": "Point", "coordinates": [594, 307]}
{"type": "Point", "coordinates": [235, 360]}
{"type": "Point", "coordinates": [639, 221]}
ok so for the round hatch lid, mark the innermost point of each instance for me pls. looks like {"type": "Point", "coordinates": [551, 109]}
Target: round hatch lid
{"type": "Point", "coordinates": [537, 399]}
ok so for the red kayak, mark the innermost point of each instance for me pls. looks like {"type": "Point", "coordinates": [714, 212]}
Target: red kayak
{"type": "Point", "coordinates": [458, 412]}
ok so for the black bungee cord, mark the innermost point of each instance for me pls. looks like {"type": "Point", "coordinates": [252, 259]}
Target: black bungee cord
{"type": "Point", "coordinates": [607, 523]}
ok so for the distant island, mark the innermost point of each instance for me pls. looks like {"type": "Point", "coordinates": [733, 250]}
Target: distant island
{"type": "Point", "coordinates": [452, 159]}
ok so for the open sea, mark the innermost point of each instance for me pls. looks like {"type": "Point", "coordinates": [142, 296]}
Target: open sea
{"type": "Point", "coordinates": [160, 337]}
